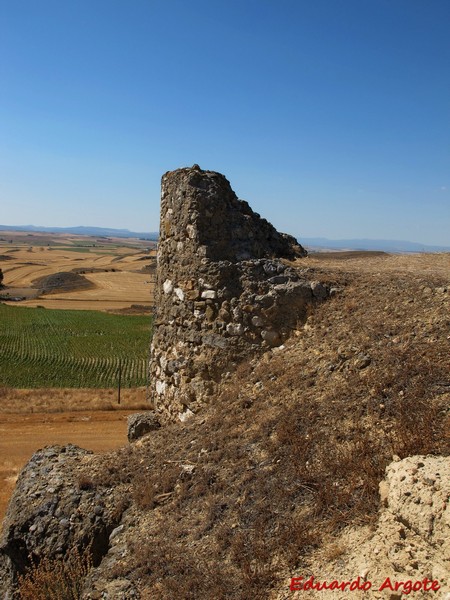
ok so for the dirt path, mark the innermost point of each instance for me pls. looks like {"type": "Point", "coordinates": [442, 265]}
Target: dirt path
{"type": "Point", "coordinates": [23, 434]}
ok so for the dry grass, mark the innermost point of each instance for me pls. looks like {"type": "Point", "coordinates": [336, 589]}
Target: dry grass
{"type": "Point", "coordinates": [56, 579]}
{"type": "Point", "coordinates": [294, 449]}
{"type": "Point", "coordinates": [54, 400]}
{"type": "Point", "coordinates": [437, 264]}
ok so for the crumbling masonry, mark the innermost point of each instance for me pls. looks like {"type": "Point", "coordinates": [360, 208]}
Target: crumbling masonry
{"type": "Point", "coordinates": [222, 292]}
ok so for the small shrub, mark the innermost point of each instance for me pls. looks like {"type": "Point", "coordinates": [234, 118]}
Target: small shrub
{"type": "Point", "coordinates": [57, 578]}
{"type": "Point", "coordinates": [154, 488]}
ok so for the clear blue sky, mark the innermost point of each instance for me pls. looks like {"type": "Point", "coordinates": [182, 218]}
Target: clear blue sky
{"type": "Point", "coordinates": [330, 117]}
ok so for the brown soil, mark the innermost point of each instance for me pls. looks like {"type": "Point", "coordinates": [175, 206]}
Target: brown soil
{"type": "Point", "coordinates": [21, 435]}
{"type": "Point", "coordinates": [346, 254]}
{"type": "Point", "coordinates": [32, 419]}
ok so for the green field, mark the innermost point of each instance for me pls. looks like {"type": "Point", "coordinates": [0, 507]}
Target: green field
{"type": "Point", "coordinates": [72, 348]}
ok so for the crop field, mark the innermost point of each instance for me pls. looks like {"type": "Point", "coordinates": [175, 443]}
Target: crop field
{"type": "Point", "coordinates": [41, 347]}
{"type": "Point", "coordinates": [113, 274]}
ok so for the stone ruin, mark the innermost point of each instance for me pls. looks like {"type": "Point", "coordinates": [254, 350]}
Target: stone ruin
{"type": "Point", "coordinates": [223, 291]}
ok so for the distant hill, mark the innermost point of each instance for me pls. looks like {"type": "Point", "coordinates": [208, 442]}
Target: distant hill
{"type": "Point", "coordinates": [91, 231]}
{"type": "Point", "coordinates": [365, 244]}
{"type": "Point", "coordinates": [317, 244]}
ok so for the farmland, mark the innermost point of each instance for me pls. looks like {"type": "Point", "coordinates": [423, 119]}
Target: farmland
{"type": "Point", "coordinates": [73, 349]}
{"type": "Point", "coordinates": [107, 273]}
{"type": "Point", "coordinates": [56, 345]}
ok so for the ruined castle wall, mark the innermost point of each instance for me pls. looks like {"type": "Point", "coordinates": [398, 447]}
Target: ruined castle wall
{"type": "Point", "coordinates": [222, 292]}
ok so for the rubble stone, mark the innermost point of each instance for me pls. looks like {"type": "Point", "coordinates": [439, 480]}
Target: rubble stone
{"type": "Point", "coordinates": [140, 424]}
{"type": "Point", "coordinates": [222, 291]}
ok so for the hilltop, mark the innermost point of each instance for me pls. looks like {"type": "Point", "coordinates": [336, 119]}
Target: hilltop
{"type": "Point", "coordinates": [279, 476]}
{"type": "Point", "coordinates": [313, 243]}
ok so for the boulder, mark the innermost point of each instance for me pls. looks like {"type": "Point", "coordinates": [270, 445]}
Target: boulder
{"type": "Point", "coordinates": [56, 507]}
{"type": "Point", "coordinates": [140, 424]}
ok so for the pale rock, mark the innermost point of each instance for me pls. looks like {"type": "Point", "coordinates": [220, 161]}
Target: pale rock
{"type": "Point", "coordinates": [209, 294]}
{"type": "Point", "coordinates": [235, 329]}
{"type": "Point", "coordinates": [185, 415]}
{"type": "Point", "coordinates": [271, 336]}
{"type": "Point", "coordinates": [257, 321]}
{"type": "Point", "coordinates": [179, 294]}
{"type": "Point", "coordinates": [160, 387]}
{"type": "Point", "coordinates": [167, 286]}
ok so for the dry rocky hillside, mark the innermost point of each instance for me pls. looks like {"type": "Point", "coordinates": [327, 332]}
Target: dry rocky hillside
{"type": "Point", "coordinates": [278, 479]}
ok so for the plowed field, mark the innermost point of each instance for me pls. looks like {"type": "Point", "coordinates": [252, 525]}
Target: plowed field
{"type": "Point", "coordinates": [121, 273]}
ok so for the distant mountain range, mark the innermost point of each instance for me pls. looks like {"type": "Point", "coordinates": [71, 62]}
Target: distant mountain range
{"type": "Point", "coordinates": [364, 244]}
{"type": "Point", "coordinates": [91, 231]}
{"type": "Point", "coordinates": [311, 243]}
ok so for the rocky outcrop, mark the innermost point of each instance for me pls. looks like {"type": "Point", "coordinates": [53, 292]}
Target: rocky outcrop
{"type": "Point", "coordinates": [222, 291]}
{"type": "Point", "coordinates": [54, 509]}
{"type": "Point", "coordinates": [410, 544]}
{"type": "Point", "coordinates": [140, 424]}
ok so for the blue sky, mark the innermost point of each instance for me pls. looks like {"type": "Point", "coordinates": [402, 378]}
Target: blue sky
{"type": "Point", "coordinates": [330, 117]}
